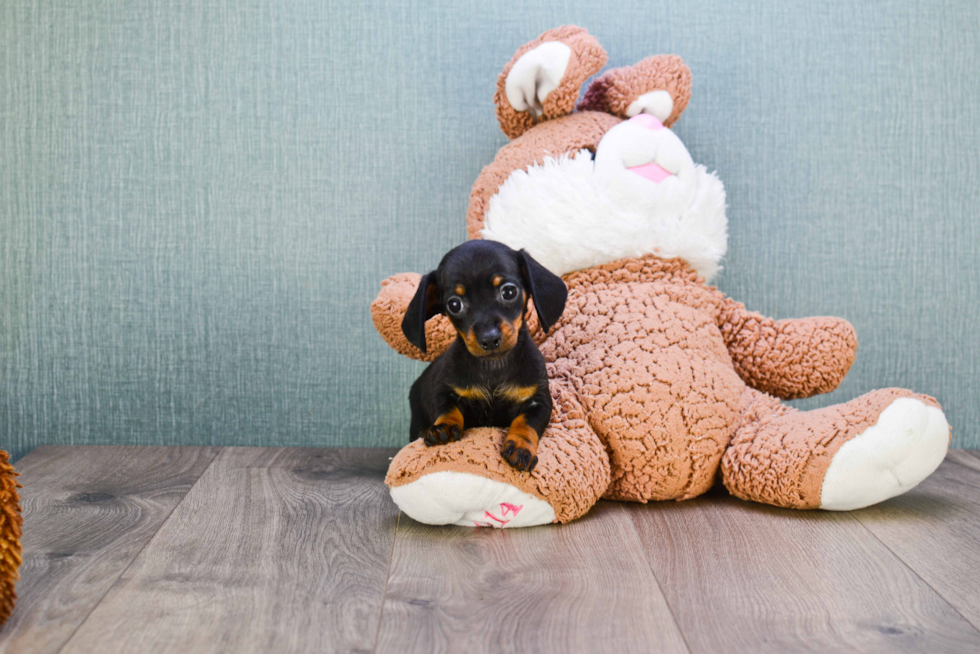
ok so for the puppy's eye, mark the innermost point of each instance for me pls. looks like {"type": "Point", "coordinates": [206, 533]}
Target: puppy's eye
{"type": "Point", "coordinates": [455, 305]}
{"type": "Point", "coordinates": [508, 292]}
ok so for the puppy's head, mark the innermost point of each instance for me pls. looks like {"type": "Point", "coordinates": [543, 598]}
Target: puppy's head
{"type": "Point", "coordinates": [483, 287]}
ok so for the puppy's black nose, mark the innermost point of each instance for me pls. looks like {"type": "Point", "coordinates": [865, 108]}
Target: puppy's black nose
{"type": "Point", "coordinates": [489, 339]}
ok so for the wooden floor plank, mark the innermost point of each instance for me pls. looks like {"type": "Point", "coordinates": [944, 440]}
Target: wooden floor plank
{"type": "Point", "coordinates": [273, 550]}
{"type": "Point", "coordinates": [88, 511]}
{"type": "Point", "coordinates": [935, 530]}
{"type": "Point", "coordinates": [582, 587]}
{"type": "Point", "coordinates": [740, 576]}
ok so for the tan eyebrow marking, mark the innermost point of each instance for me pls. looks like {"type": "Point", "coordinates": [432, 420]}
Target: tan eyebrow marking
{"type": "Point", "coordinates": [497, 279]}
{"type": "Point", "coordinates": [460, 289]}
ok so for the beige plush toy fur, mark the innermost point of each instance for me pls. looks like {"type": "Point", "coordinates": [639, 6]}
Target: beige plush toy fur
{"type": "Point", "coordinates": [661, 384]}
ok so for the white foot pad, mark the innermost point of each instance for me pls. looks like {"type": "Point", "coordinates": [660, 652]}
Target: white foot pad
{"type": "Point", "coordinates": [459, 498]}
{"type": "Point", "coordinates": [905, 446]}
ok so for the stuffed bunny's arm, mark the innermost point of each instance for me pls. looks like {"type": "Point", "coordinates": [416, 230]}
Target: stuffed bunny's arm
{"type": "Point", "coordinates": [791, 358]}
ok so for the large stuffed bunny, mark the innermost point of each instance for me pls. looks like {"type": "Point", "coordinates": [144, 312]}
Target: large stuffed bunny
{"type": "Point", "coordinates": [661, 384]}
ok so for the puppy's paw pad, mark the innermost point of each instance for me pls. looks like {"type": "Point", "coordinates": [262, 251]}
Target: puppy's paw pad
{"type": "Point", "coordinates": [519, 455]}
{"type": "Point", "coordinates": [441, 434]}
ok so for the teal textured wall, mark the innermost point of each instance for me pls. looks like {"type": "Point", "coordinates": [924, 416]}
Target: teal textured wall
{"type": "Point", "coordinates": [199, 199]}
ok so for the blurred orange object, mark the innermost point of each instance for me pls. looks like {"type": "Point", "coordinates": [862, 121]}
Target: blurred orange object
{"type": "Point", "coordinates": [10, 533]}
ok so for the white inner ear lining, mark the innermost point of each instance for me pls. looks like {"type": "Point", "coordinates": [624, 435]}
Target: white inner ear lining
{"type": "Point", "coordinates": [658, 104]}
{"type": "Point", "coordinates": [536, 74]}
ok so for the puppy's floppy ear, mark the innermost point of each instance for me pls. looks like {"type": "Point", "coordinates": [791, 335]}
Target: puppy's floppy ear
{"type": "Point", "coordinates": [423, 306]}
{"type": "Point", "coordinates": [547, 289]}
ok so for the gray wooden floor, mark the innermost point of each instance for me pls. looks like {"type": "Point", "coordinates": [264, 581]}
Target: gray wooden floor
{"type": "Point", "coordinates": [141, 549]}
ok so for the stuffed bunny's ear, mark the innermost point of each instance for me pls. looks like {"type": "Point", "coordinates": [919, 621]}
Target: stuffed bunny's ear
{"type": "Point", "coordinates": [423, 306]}
{"type": "Point", "coordinates": [543, 78]}
{"type": "Point", "coordinates": [547, 289]}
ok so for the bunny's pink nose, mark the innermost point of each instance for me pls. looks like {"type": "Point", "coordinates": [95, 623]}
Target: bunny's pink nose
{"type": "Point", "coordinates": [648, 121]}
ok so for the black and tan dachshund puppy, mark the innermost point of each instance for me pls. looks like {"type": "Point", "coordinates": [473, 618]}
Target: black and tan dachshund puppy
{"type": "Point", "coordinates": [493, 374]}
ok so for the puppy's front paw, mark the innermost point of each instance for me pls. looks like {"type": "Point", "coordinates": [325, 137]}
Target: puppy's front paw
{"type": "Point", "coordinates": [520, 452]}
{"type": "Point", "coordinates": [441, 434]}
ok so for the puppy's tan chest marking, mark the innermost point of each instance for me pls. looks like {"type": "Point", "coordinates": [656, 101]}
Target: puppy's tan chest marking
{"type": "Point", "coordinates": [517, 393]}
{"type": "Point", "coordinates": [510, 392]}
{"type": "Point", "coordinates": [472, 393]}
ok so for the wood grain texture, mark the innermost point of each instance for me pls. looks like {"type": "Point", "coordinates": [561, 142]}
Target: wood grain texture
{"type": "Point", "coordinates": [935, 530]}
{"type": "Point", "coordinates": [582, 587]}
{"type": "Point", "coordinates": [88, 511]}
{"type": "Point", "coordinates": [746, 577]}
{"type": "Point", "coordinates": [273, 550]}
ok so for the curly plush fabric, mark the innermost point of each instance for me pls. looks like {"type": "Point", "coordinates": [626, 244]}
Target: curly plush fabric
{"type": "Point", "coordinates": [788, 358]}
{"type": "Point", "coordinates": [11, 523]}
{"type": "Point", "coordinates": [587, 58]}
{"type": "Point", "coordinates": [616, 89]}
{"type": "Point", "coordinates": [642, 348]}
{"type": "Point", "coordinates": [572, 471]}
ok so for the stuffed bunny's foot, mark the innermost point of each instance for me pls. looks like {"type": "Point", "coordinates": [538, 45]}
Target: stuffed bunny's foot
{"type": "Point", "coordinates": [460, 498]}
{"type": "Point", "coordinates": [905, 445]}
{"type": "Point", "coordinates": [842, 457]}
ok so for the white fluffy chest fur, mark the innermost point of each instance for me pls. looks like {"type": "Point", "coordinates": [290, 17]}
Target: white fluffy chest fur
{"type": "Point", "coordinates": [572, 212]}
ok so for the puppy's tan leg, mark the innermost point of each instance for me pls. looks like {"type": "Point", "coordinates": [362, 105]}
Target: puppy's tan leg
{"type": "Point", "coordinates": [448, 427]}
{"type": "Point", "coordinates": [520, 447]}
